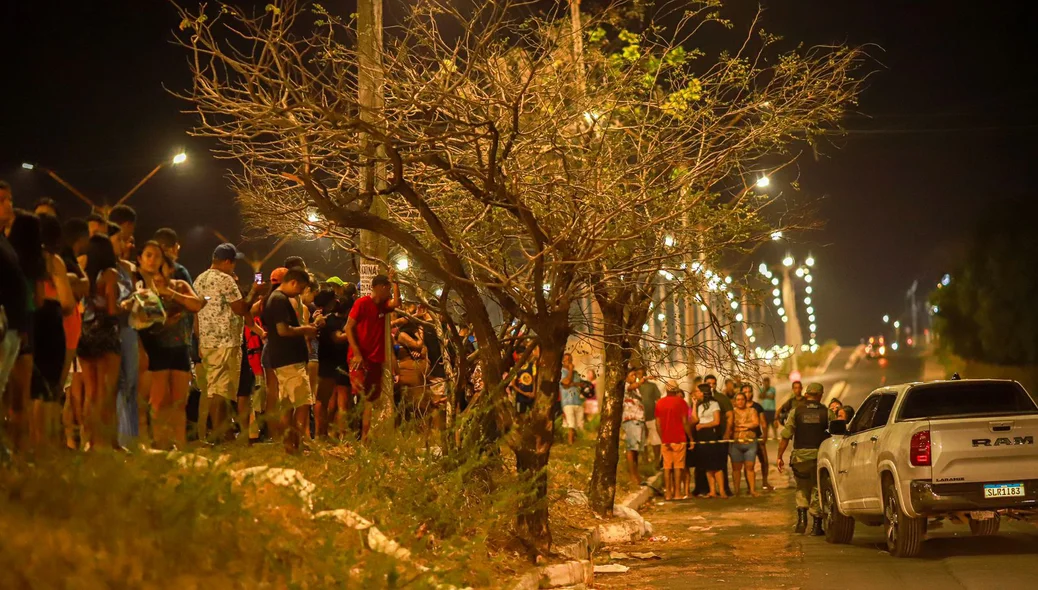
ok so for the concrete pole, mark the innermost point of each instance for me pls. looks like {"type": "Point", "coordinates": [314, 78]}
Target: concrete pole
{"type": "Point", "coordinates": [794, 337]}
{"type": "Point", "coordinates": [370, 88]}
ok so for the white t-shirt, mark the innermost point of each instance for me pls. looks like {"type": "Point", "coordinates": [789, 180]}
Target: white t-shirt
{"type": "Point", "coordinates": [218, 325]}
{"type": "Point", "coordinates": [708, 411]}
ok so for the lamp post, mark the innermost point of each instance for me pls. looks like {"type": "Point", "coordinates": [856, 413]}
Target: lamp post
{"type": "Point", "coordinates": [176, 160]}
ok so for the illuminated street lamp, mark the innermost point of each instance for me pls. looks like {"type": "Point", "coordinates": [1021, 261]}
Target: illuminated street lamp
{"type": "Point", "coordinates": [763, 182]}
{"type": "Point", "coordinates": [788, 261]}
{"type": "Point", "coordinates": [776, 235]}
{"type": "Point", "coordinates": [402, 264]}
{"type": "Point", "coordinates": [886, 319]}
{"type": "Point", "coordinates": [176, 160]}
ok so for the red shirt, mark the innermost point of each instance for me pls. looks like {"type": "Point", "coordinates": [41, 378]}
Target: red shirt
{"type": "Point", "coordinates": [670, 414]}
{"type": "Point", "coordinates": [371, 329]}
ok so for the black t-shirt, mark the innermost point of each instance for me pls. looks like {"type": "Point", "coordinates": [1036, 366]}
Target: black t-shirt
{"type": "Point", "coordinates": [281, 351]}
{"type": "Point", "coordinates": [331, 354]}
{"type": "Point", "coordinates": [432, 344]}
{"type": "Point", "coordinates": [760, 412]}
{"type": "Point", "coordinates": [14, 290]}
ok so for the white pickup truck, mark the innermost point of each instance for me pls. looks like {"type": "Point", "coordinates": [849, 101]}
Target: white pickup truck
{"type": "Point", "coordinates": [963, 449]}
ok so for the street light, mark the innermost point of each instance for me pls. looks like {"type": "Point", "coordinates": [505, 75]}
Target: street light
{"type": "Point", "coordinates": [403, 263]}
{"type": "Point", "coordinates": [788, 261]}
{"type": "Point", "coordinates": [886, 319]}
{"type": "Point", "coordinates": [27, 166]}
{"type": "Point", "coordinates": [897, 323]}
{"type": "Point", "coordinates": [776, 235]}
{"type": "Point", "coordinates": [179, 158]}
{"type": "Point", "coordinates": [810, 261]}
{"type": "Point", "coordinates": [763, 182]}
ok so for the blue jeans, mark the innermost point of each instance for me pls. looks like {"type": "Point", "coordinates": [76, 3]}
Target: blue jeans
{"type": "Point", "coordinates": [126, 399]}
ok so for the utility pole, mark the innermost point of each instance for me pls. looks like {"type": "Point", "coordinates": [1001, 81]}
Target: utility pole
{"type": "Point", "coordinates": [370, 83]}
{"type": "Point", "coordinates": [915, 308]}
{"type": "Point", "coordinates": [794, 337]}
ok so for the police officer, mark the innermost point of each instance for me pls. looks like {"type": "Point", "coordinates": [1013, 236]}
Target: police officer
{"type": "Point", "coordinates": [808, 426]}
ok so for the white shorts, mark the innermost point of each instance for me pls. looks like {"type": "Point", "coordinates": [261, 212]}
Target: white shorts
{"type": "Point", "coordinates": [653, 437]}
{"type": "Point", "coordinates": [573, 417]}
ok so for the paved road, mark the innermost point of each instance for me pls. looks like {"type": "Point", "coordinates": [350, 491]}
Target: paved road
{"type": "Point", "coordinates": [863, 376]}
{"type": "Point", "coordinates": [748, 543]}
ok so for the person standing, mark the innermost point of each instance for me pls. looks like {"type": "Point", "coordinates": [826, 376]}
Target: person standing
{"type": "Point", "coordinates": [795, 399]}
{"type": "Point", "coordinates": [808, 427]}
{"type": "Point", "coordinates": [221, 324]}
{"type": "Point", "coordinates": [333, 348]}
{"type": "Point", "coordinates": [99, 345]}
{"type": "Point", "coordinates": [650, 395]}
{"type": "Point", "coordinates": [746, 426]}
{"type": "Point", "coordinates": [724, 401]}
{"type": "Point", "coordinates": [168, 346]}
{"type": "Point", "coordinates": [674, 430]}
{"type": "Point", "coordinates": [366, 332]}
{"type": "Point", "coordinates": [711, 457]}
{"type": "Point", "coordinates": [288, 355]}
{"type": "Point", "coordinates": [59, 302]}
{"type": "Point", "coordinates": [15, 320]}
{"type": "Point", "coordinates": [133, 362]}
{"type": "Point", "coordinates": [25, 238]}
{"type": "Point", "coordinates": [572, 401]}
{"type": "Point", "coordinates": [767, 402]}
{"type": "Point", "coordinates": [523, 388]}
{"type": "Point", "coordinates": [762, 442]}
{"type": "Point", "coordinates": [170, 242]}
{"type": "Point", "coordinates": [633, 425]}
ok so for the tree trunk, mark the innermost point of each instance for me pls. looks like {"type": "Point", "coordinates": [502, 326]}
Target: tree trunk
{"type": "Point", "coordinates": [602, 488]}
{"type": "Point", "coordinates": [533, 439]}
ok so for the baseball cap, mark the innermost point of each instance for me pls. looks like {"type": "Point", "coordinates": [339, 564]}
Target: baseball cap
{"type": "Point", "coordinates": [379, 280]}
{"type": "Point", "coordinates": [815, 389]}
{"type": "Point", "coordinates": [227, 251]}
{"type": "Point", "coordinates": [277, 275]}
{"type": "Point", "coordinates": [336, 281]}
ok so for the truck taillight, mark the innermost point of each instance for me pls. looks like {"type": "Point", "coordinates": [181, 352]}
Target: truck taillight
{"type": "Point", "coordinates": [919, 451]}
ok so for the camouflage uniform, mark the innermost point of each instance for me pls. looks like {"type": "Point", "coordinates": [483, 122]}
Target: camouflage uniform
{"type": "Point", "coordinates": [804, 463]}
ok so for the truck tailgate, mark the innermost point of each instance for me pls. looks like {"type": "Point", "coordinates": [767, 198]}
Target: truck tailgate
{"type": "Point", "coordinates": [988, 449]}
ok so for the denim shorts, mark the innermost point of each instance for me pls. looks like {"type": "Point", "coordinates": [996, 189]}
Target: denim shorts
{"type": "Point", "coordinates": [743, 452]}
{"type": "Point", "coordinates": [634, 435]}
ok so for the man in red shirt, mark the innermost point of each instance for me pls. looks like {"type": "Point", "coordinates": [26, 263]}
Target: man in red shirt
{"type": "Point", "coordinates": [675, 432]}
{"type": "Point", "coordinates": [366, 333]}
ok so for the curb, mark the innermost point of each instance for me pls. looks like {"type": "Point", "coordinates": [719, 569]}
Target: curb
{"type": "Point", "coordinates": [580, 569]}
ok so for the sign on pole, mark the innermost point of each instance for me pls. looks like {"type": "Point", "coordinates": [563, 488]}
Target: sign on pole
{"type": "Point", "coordinates": [367, 273]}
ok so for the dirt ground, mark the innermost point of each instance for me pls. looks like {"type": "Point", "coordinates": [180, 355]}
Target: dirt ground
{"type": "Point", "coordinates": [710, 544]}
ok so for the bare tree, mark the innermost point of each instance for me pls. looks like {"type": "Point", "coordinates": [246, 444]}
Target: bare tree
{"type": "Point", "coordinates": [519, 178]}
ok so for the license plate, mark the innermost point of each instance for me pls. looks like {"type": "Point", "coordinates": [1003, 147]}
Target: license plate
{"type": "Point", "coordinates": [1003, 490]}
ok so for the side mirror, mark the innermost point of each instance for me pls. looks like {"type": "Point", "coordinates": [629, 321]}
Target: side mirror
{"type": "Point", "coordinates": [837, 428]}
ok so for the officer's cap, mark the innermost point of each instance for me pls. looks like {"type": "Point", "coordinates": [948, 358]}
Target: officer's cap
{"type": "Point", "coordinates": [815, 389]}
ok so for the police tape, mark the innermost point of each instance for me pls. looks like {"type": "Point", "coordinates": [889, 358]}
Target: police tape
{"type": "Point", "coordinates": [729, 441]}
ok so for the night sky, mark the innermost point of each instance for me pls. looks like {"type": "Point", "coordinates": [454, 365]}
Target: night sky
{"type": "Point", "coordinates": [946, 125]}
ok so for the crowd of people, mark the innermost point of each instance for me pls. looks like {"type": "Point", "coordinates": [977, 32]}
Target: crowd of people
{"type": "Point", "coordinates": [694, 436]}
{"type": "Point", "coordinates": [102, 342]}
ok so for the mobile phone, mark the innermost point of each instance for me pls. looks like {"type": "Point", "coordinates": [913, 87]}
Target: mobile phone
{"type": "Point", "coordinates": [258, 278]}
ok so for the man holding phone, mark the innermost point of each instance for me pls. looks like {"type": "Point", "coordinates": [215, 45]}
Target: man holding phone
{"type": "Point", "coordinates": [221, 323]}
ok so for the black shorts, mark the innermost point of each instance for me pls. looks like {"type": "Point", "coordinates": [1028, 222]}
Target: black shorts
{"type": "Point", "coordinates": [49, 354]}
{"type": "Point", "coordinates": [340, 374]}
{"type": "Point", "coordinates": [169, 358]}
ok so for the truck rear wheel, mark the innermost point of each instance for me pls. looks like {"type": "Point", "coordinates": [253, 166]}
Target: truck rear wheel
{"type": "Point", "coordinates": [839, 529]}
{"type": "Point", "coordinates": [905, 534]}
{"type": "Point", "coordinates": [985, 528]}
